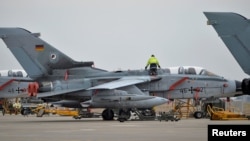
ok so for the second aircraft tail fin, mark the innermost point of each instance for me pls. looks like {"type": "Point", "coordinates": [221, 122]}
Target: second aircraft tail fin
{"type": "Point", "coordinates": [234, 30]}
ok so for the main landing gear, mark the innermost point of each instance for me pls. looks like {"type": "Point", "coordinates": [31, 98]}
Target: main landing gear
{"type": "Point", "coordinates": [125, 114]}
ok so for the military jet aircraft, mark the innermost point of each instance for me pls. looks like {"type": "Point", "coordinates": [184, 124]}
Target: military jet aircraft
{"type": "Point", "coordinates": [55, 76]}
{"type": "Point", "coordinates": [234, 30]}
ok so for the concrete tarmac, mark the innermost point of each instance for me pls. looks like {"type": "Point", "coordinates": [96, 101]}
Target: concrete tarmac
{"type": "Point", "coordinates": [59, 128]}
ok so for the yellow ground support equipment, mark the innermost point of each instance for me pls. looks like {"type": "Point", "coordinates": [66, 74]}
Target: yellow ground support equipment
{"type": "Point", "coordinates": [182, 108]}
{"type": "Point", "coordinates": [63, 111]}
{"type": "Point", "coordinates": [186, 108]}
{"type": "Point", "coordinates": [41, 110]}
{"type": "Point", "coordinates": [216, 113]}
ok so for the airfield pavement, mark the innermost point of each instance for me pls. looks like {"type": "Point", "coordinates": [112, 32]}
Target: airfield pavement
{"type": "Point", "coordinates": [61, 128]}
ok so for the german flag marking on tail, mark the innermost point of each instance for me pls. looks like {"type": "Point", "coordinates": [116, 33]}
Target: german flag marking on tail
{"type": "Point", "coordinates": [39, 47]}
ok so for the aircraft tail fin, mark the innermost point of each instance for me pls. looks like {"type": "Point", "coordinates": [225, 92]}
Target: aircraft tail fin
{"type": "Point", "coordinates": [234, 30]}
{"type": "Point", "coordinates": [37, 57]}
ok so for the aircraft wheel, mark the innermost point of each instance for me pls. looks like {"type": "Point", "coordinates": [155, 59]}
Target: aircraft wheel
{"type": "Point", "coordinates": [108, 114]}
{"type": "Point", "coordinates": [124, 115]}
{"type": "Point", "coordinates": [25, 111]}
{"type": "Point", "coordinates": [198, 114]}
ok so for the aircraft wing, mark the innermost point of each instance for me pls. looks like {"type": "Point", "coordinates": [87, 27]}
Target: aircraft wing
{"type": "Point", "coordinates": [59, 92]}
{"type": "Point", "coordinates": [234, 30]}
{"type": "Point", "coordinates": [124, 81]}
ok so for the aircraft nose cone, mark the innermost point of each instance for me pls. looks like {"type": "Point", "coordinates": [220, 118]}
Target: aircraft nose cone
{"type": "Point", "coordinates": [161, 100]}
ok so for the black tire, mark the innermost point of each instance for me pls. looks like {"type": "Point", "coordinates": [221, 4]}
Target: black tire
{"type": "Point", "coordinates": [198, 114]}
{"type": "Point", "coordinates": [108, 114]}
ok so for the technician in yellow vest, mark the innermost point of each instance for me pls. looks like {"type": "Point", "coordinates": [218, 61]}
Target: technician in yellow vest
{"type": "Point", "coordinates": [153, 62]}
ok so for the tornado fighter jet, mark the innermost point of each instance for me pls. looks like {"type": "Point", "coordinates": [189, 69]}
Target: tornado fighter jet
{"type": "Point", "coordinates": [54, 76]}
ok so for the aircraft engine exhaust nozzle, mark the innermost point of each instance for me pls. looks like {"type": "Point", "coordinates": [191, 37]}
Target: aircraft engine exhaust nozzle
{"type": "Point", "coordinates": [245, 86]}
{"type": "Point", "coordinates": [238, 85]}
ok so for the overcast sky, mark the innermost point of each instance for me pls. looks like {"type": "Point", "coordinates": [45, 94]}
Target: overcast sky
{"type": "Point", "coordinates": [122, 34]}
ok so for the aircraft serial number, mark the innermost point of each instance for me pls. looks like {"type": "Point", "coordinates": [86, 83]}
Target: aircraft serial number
{"type": "Point", "coordinates": [192, 90]}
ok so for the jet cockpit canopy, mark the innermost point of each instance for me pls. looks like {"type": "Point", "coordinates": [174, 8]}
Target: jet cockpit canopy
{"type": "Point", "coordinates": [193, 70]}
